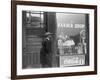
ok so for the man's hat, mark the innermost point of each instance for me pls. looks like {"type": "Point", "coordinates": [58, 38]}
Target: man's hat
{"type": "Point", "coordinates": [48, 33]}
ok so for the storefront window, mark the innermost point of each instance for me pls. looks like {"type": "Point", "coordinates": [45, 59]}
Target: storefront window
{"type": "Point", "coordinates": [72, 38]}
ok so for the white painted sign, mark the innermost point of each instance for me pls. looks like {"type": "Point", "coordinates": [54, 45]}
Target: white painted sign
{"type": "Point", "coordinates": [72, 60]}
{"type": "Point", "coordinates": [70, 25]}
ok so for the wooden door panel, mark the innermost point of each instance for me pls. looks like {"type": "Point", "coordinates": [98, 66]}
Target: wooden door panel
{"type": "Point", "coordinates": [32, 40]}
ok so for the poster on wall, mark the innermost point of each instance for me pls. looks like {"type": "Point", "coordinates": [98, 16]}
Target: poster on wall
{"type": "Point", "coordinates": [53, 39]}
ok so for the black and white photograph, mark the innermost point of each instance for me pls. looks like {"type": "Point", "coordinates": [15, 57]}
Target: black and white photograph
{"type": "Point", "coordinates": [54, 39]}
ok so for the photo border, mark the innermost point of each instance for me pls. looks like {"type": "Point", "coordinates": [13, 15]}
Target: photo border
{"type": "Point", "coordinates": [14, 39]}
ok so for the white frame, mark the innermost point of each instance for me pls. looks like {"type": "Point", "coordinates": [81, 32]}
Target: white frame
{"type": "Point", "coordinates": [21, 71]}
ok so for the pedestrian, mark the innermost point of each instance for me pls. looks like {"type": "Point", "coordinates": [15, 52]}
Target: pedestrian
{"type": "Point", "coordinates": [46, 51]}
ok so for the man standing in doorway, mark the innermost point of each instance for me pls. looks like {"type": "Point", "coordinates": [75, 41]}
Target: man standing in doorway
{"type": "Point", "coordinates": [46, 51]}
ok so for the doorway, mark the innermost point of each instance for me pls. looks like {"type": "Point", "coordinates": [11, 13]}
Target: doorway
{"type": "Point", "coordinates": [35, 25]}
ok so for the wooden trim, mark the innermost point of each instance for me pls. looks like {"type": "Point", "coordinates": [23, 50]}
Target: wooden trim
{"type": "Point", "coordinates": [95, 39]}
{"type": "Point", "coordinates": [13, 40]}
{"type": "Point", "coordinates": [55, 4]}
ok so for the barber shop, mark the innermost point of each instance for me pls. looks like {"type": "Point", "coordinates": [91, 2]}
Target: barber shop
{"type": "Point", "coordinates": [54, 39]}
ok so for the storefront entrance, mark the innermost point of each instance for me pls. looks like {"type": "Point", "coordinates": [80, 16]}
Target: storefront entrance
{"type": "Point", "coordinates": [35, 25]}
{"type": "Point", "coordinates": [70, 46]}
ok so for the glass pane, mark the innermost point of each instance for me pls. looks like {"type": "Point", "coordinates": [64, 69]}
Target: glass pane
{"type": "Point", "coordinates": [35, 19]}
{"type": "Point", "coordinates": [72, 37]}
